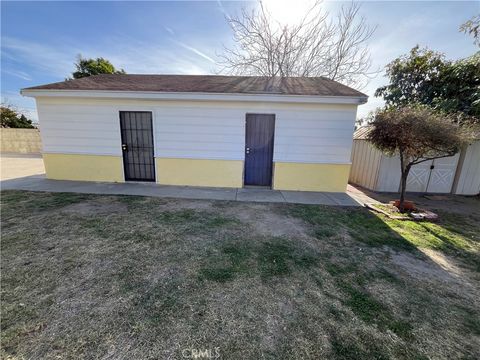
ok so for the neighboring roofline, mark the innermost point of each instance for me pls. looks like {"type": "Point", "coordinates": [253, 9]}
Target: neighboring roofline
{"type": "Point", "coordinates": [158, 95]}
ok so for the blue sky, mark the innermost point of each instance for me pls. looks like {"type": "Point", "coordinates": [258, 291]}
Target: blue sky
{"type": "Point", "coordinates": [40, 40]}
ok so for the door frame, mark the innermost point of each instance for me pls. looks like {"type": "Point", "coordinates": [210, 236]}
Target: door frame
{"type": "Point", "coordinates": [152, 114]}
{"type": "Point", "coordinates": [245, 149]}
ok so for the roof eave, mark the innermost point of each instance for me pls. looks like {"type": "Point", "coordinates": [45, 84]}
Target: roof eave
{"type": "Point", "coordinates": [197, 96]}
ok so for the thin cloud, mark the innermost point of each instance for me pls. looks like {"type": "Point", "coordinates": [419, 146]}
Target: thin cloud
{"type": "Point", "coordinates": [40, 56]}
{"type": "Point", "coordinates": [222, 9]}
{"type": "Point", "coordinates": [128, 53]}
{"type": "Point", "coordinates": [195, 51]}
{"type": "Point", "coordinates": [19, 74]}
{"type": "Point", "coordinates": [148, 57]}
{"type": "Point", "coordinates": [169, 30]}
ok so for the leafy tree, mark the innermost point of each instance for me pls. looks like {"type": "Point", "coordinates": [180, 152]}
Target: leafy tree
{"type": "Point", "coordinates": [416, 134]}
{"type": "Point", "coordinates": [425, 77]}
{"type": "Point", "coordinates": [458, 88]}
{"type": "Point", "coordinates": [88, 67]}
{"type": "Point", "coordinates": [472, 27]}
{"type": "Point", "coordinates": [11, 118]}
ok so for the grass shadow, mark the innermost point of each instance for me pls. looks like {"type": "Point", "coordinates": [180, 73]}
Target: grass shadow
{"type": "Point", "coordinates": [266, 257]}
{"type": "Point", "coordinates": [359, 224]}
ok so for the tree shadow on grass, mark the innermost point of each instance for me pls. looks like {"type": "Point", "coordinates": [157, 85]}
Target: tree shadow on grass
{"type": "Point", "coordinates": [455, 245]}
{"type": "Point", "coordinates": [355, 269]}
{"type": "Point", "coordinates": [452, 234]}
{"type": "Point", "coordinates": [359, 224]}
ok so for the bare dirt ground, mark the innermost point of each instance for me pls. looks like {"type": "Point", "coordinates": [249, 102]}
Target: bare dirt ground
{"type": "Point", "coordinates": [463, 205]}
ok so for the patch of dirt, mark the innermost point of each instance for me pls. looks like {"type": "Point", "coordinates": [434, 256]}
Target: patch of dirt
{"type": "Point", "coordinates": [462, 205]}
{"type": "Point", "coordinates": [437, 268]}
{"type": "Point", "coordinates": [266, 221]}
{"type": "Point", "coordinates": [96, 207]}
{"type": "Point", "coordinates": [185, 204]}
{"type": "Point", "coordinates": [444, 262]}
{"type": "Point", "coordinates": [438, 197]}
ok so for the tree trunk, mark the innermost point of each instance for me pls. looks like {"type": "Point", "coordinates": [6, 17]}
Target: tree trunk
{"type": "Point", "coordinates": [403, 187]}
{"type": "Point", "coordinates": [403, 182]}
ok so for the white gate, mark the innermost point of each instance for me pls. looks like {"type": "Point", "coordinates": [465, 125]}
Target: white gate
{"type": "Point", "coordinates": [434, 176]}
{"type": "Point", "coordinates": [380, 172]}
{"type": "Point", "coordinates": [418, 177]}
{"type": "Point", "coordinates": [442, 175]}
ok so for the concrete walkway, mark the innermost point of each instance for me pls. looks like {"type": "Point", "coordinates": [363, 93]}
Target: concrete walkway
{"type": "Point", "coordinates": [13, 166]}
{"type": "Point", "coordinates": [25, 172]}
{"type": "Point", "coordinates": [40, 183]}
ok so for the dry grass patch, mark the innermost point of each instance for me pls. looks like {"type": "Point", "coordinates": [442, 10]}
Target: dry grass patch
{"type": "Point", "coordinates": [134, 277]}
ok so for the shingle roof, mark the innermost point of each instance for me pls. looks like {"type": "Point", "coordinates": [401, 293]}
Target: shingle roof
{"type": "Point", "coordinates": [319, 86]}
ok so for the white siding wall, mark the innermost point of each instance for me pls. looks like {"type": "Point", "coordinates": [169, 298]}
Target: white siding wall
{"type": "Point", "coordinates": [365, 164]}
{"type": "Point", "coordinates": [316, 136]}
{"type": "Point", "coordinates": [199, 133]}
{"type": "Point", "coordinates": [204, 130]}
{"type": "Point", "coordinates": [389, 174]}
{"type": "Point", "coordinates": [469, 180]}
{"type": "Point", "coordinates": [78, 129]}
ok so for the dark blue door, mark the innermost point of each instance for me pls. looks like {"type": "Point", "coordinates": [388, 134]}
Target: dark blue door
{"type": "Point", "coordinates": [259, 149]}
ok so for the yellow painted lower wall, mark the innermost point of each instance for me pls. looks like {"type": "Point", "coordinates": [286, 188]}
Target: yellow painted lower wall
{"type": "Point", "coordinates": [311, 177]}
{"type": "Point", "coordinates": [199, 172]}
{"type": "Point", "coordinates": [83, 167]}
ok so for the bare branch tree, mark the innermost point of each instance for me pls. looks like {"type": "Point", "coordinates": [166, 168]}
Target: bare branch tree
{"type": "Point", "coordinates": [472, 27]}
{"type": "Point", "coordinates": [314, 46]}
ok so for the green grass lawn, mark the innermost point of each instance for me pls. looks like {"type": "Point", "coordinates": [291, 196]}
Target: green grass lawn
{"type": "Point", "coordinates": [89, 276]}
